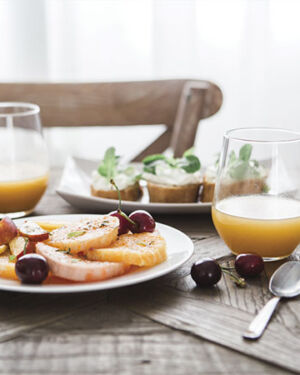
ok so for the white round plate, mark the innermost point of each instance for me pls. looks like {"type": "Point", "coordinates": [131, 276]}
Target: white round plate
{"type": "Point", "coordinates": [74, 188]}
{"type": "Point", "coordinates": [179, 249]}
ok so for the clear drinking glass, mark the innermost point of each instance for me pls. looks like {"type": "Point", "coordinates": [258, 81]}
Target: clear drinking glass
{"type": "Point", "coordinates": [256, 207]}
{"type": "Point", "coordinates": [23, 159]}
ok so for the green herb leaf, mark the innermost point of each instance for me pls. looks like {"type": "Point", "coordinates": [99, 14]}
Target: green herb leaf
{"type": "Point", "coordinates": [192, 164]}
{"type": "Point", "coordinates": [190, 151]}
{"type": "Point", "coordinates": [108, 166]}
{"type": "Point", "coordinates": [152, 158]}
{"type": "Point", "coordinates": [76, 234]}
{"type": "Point", "coordinates": [239, 169]}
{"type": "Point", "coordinates": [232, 157]}
{"type": "Point", "coordinates": [129, 171]}
{"type": "Point", "coordinates": [265, 188]}
{"type": "Point", "coordinates": [245, 152]}
{"type": "Point", "coordinates": [150, 169]}
{"type": "Point", "coordinates": [12, 258]}
{"type": "Point", "coordinates": [189, 162]}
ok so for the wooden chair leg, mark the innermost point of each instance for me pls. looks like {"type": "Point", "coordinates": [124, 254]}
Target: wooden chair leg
{"type": "Point", "coordinates": [198, 100]}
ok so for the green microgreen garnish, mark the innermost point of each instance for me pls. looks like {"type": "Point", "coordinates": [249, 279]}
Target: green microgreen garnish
{"type": "Point", "coordinates": [189, 162]}
{"type": "Point", "coordinates": [108, 166]}
{"type": "Point", "coordinates": [242, 166]}
{"type": "Point", "coordinates": [265, 188]}
{"type": "Point", "coordinates": [151, 158]}
{"type": "Point", "coordinates": [75, 234]}
{"type": "Point", "coordinates": [12, 258]}
{"type": "Point", "coordinates": [245, 152]}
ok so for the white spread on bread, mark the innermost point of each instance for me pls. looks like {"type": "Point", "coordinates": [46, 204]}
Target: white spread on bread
{"type": "Point", "coordinates": [121, 179]}
{"type": "Point", "coordinates": [167, 175]}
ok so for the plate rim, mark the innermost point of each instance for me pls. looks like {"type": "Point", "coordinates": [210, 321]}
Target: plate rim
{"type": "Point", "coordinates": [61, 189]}
{"type": "Point", "coordinates": [60, 192]}
{"type": "Point", "coordinates": [96, 286]}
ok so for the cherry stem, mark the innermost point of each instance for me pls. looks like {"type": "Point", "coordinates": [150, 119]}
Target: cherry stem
{"type": "Point", "coordinates": [239, 281]}
{"type": "Point", "coordinates": [120, 203]}
{"type": "Point", "coordinates": [119, 194]}
{"type": "Point", "coordinates": [128, 218]}
{"type": "Point", "coordinates": [227, 268]}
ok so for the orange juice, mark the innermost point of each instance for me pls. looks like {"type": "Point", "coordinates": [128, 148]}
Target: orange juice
{"type": "Point", "coordinates": [265, 225]}
{"type": "Point", "coordinates": [21, 186]}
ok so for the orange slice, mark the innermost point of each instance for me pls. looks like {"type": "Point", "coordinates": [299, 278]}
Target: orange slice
{"type": "Point", "coordinates": [49, 226]}
{"type": "Point", "coordinates": [86, 234]}
{"type": "Point", "coordinates": [7, 268]}
{"type": "Point", "coordinates": [72, 267]}
{"type": "Point", "coordinates": [140, 249]}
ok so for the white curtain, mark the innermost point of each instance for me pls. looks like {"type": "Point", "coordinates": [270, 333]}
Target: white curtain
{"type": "Point", "coordinates": [250, 48]}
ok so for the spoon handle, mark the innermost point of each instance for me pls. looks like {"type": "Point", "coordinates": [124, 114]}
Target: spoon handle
{"type": "Point", "coordinates": [259, 323]}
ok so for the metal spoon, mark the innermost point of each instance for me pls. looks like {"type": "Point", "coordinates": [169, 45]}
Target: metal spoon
{"type": "Point", "coordinates": [285, 282]}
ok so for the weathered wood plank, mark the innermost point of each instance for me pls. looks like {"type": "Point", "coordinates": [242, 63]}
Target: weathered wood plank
{"type": "Point", "coordinates": [109, 340]}
{"type": "Point", "coordinates": [21, 313]}
{"type": "Point", "coordinates": [215, 322]}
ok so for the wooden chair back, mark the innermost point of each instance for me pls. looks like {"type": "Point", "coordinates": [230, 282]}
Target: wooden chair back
{"type": "Point", "coordinates": [179, 104]}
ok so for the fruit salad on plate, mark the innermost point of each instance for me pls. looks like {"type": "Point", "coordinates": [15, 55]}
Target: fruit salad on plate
{"type": "Point", "coordinates": [91, 249]}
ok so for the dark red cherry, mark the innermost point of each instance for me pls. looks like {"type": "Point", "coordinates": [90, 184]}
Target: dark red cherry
{"type": "Point", "coordinates": [32, 269]}
{"type": "Point", "coordinates": [124, 223]}
{"type": "Point", "coordinates": [143, 220]}
{"type": "Point", "coordinates": [249, 265]}
{"type": "Point", "coordinates": [206, 272]}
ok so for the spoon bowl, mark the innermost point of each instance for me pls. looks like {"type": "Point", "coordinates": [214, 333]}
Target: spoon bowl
{"type": "Point", "coordinates": [285, 282]}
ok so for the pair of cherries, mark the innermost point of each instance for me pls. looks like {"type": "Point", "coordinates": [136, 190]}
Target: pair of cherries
{"type": "Point", "coordinates": [208, 272]}
{"type": "Point", "coordinates": [137, 222]}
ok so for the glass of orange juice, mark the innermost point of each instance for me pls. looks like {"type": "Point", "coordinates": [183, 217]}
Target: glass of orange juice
{"type": "Point", "coordinates": [23, 159]}
{"type": "Point", "coordinates": [256, 207]}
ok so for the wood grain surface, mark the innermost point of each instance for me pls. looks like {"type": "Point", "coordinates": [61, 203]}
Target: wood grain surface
{"type": "Point", "coordinates": [163, 326]}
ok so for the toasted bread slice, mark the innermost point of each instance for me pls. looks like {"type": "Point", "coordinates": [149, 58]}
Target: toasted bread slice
{"type": "Point", "coordinates": [173, 194]}
{"type": "Point", "coordinates": [7, 268]}
{"type": "Point", "coordinates": [208, 189]}
{"type": "Point", "coordinates": [76, 268]}
{"type": "Point", "coordinates": [90, 233]}
{"type": "Point", "coordinates": [131, 193]}
{"type": "Point", "coordinates": [140, 249]}
{"type": "Point", "coordinates": [243, 187]}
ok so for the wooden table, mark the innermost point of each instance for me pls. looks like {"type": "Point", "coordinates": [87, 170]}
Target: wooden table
{"type": "Point", "coordinates": [165, 326]}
